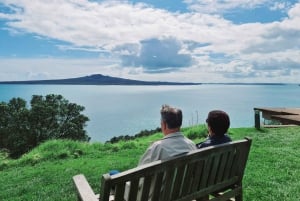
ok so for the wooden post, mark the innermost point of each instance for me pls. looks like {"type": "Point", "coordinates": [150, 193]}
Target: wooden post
{"type": "Point", "coordinates": [257, 118]}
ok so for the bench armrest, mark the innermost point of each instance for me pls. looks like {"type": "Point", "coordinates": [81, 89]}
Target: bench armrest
{"type": "Point", "coordinates": [84, 190]}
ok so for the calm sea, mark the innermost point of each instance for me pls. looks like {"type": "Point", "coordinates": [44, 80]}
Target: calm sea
{"type": "Point", "coordinates": [126, 110]}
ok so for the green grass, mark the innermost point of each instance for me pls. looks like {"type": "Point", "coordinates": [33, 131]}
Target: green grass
{"type": "Point", "coordinates": [272, 173]}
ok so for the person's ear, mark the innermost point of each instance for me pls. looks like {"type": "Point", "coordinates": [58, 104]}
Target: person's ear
{"type": "Point", "coordinates": [163, 125]}
{"type": "Point", "coordinates": [209, 129]}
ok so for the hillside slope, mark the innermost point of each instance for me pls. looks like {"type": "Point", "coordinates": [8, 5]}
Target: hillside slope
{"type": "Point", "coordinates": [272, 171]}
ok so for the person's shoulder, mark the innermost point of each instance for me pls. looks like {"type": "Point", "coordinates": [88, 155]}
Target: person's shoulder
{"type": "Point", "coordinates": [227, 138]}
{"type": "Point", "coordinates": [156, 144]}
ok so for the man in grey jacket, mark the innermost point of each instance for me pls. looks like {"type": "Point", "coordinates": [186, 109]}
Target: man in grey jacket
{"type": "Point", "coordinates": [173, 143]}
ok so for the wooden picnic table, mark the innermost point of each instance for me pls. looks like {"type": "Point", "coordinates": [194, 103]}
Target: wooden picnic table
{"type": "Point", "coordinates": [285, 116]}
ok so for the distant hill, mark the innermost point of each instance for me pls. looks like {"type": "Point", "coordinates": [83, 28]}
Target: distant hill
{"type": "Point", "coordinates": [98, 79]}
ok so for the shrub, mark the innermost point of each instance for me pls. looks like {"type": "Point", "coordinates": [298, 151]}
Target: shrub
{"type": "Point", "coordinates": [196, 132]}
{"type": "Point", "coordinates": [128, 145]}
{"type": "Point", "coordinates": [50, 117]}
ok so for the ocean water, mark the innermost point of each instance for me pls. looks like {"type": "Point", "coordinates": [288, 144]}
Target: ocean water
{"type": "Point", "coordinates": [126, 110]}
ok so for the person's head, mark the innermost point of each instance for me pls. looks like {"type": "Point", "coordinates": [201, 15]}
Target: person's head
{"type": "Point", "coordinates": [218, 122]}
{"type": "Point", "coordinates": [171, 119]}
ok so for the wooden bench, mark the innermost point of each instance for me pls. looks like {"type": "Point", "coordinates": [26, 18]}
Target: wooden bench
{"type": "Point", "coordinates": [216, 171]}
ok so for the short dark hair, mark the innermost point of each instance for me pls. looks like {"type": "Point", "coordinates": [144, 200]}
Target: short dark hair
{"type": "Point", "coordinates": [218, 121]}
{"type": "Point", "coordinates": [172, 116]}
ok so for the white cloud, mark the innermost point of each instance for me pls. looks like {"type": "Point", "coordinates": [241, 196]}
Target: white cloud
{"type": "Point", "coordinates": [85, 23]}
{"type": "Point", "coordinates": [159, 56]}
{"type": "Point", "coordinates": [294, 12]}
{"type": "Point", "coordinates": [216, 45]}
{"type": "Point", "coordinates": [283, 6]}
{"type": "Point", "coordinates": [107, 25]}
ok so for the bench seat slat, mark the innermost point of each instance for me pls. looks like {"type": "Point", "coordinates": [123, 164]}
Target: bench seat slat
{"type": "Point", "coordinates": [146, 188]}
{"type": "Point", "coordinates": [119, 191]}
{"type": "Point", "coordinates": [134, 187]}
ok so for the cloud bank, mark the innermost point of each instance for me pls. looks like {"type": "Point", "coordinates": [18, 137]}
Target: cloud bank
{"type": "Point", "coordinates": [200, 44]}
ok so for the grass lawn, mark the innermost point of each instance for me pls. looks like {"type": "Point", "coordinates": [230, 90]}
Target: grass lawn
{"type": "Point", "coordinates": [272, 173]}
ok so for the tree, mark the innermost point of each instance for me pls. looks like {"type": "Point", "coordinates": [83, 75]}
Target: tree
{"type": "Point", "coordinates": [50, 117]}
{"type": "Point", "coordinates": [54, 117]}
{"type": "Point", "coordinates": [14, 126]}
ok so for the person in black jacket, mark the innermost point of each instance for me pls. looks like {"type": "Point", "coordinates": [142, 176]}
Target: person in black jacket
{"type": "Point", "coordinates": [218, 123]}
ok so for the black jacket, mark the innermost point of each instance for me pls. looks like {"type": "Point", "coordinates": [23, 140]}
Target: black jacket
{"type": "Point", "coordinates": [214, 140]}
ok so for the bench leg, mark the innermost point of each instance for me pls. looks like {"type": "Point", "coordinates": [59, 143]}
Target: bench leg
{"type": "Point", "coordinates": [239, 197]}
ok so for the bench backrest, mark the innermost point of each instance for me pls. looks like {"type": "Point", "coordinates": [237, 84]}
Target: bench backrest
{"type": "Point", "coordinates": [193, 175]}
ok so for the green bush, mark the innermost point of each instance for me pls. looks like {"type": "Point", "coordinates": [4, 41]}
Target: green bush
{"type": "Point", "coordinates": [49, 117]}
{"type": "Point", "coordinates": [128, 145]}
{"type": "Point", "coordinates": [195, 132]}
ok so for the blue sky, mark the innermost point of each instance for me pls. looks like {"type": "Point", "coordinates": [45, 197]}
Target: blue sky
{"type": "Point", "coordinates": [170, 40]}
